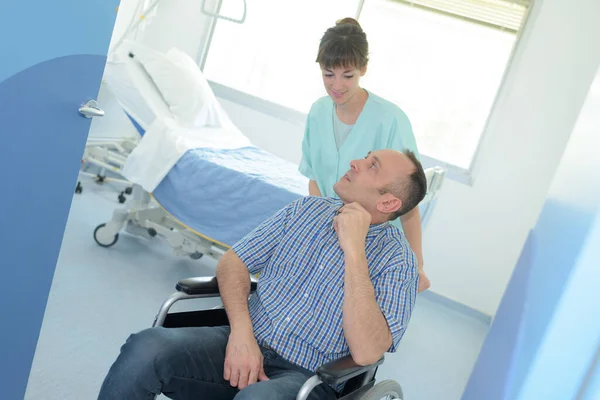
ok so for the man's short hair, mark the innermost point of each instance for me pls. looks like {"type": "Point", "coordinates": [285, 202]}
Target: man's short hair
{"type": "Point", "coordinates": [411, 191]}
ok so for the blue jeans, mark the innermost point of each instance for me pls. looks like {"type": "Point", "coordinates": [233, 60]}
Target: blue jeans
{"type": "Point", "coordinates": [187, 363]}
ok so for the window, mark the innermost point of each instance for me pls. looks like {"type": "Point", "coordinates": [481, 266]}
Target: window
{"type": "Point", "coordinates": [441, 61]}
{"type": "Point", "coordinates": [272, 54]}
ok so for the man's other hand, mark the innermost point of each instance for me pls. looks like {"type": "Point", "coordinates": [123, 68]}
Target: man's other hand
{"type": "Point", "coordinates": [243, 361]}
{"type": "Point", "coordinates": [352, 225]}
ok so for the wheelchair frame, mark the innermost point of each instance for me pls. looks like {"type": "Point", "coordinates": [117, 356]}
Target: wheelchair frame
{"type": "Point", "coordinates": [358, 379]}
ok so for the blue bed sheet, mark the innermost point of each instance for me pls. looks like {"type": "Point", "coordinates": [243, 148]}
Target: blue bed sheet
{"type": "Point", "coordinates": [136, 124]}
{"type": "Point", "coordinates": [225, 194]}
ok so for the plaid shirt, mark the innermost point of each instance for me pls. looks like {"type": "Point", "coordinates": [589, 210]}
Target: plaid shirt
{"type": "Point", "coordinates": [297, 308]}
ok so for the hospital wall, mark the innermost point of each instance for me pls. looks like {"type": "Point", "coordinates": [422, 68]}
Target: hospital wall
{"type": "Point", "coordinates": [546, 327]}
{"type": "Point", "coordinates": [477, 230]}
{"type": "Point", "coordinates": [562, 328]}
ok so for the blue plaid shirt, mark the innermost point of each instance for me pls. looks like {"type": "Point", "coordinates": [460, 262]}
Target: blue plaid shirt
{"type": "Point", "coordinates": [297, 308]}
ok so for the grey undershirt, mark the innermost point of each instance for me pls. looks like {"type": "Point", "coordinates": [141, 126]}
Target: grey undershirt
{"type": "Point", "coordinates": [340, 130]}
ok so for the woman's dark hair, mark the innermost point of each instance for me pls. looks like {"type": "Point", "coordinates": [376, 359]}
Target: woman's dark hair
{"type": "Point", "coordinates": [344, 45]}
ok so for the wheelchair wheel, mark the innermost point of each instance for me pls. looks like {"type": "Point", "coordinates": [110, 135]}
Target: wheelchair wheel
{"type": "Point", "coordinates": [101, 239]}
{"type": "Point", "coordinates": [387, 389]}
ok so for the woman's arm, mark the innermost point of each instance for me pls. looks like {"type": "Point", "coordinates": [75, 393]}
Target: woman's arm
{"type": "Point", "coordinates": [401, 138]}
{"type": "Point", "coordinates": [411, 224]}
{"type": "Point", "coordinates": [313, 188]}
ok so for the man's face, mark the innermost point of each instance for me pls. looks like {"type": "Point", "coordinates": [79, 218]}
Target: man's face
{"type": "Point", "coordinates": [365, 178]}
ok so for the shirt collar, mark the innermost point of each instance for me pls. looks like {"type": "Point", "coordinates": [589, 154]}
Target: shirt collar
{"type": "Point", "coordinates": [374, 229]}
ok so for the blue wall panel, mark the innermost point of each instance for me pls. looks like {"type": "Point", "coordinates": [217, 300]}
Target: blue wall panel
{"type": "Point", "coordinates": [493, 371]}
{"type": "Point", "coordinates": [34, 31]}
{"type": "Point", "coordinates": [39, 174]}
{"type": "Point", "coordinates": [548, 321]}
{"type": "Point", "coordinates": [52, 59]}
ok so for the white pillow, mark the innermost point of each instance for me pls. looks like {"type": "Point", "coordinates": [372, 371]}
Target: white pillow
{"type": "Point", "coordinates": [139, 68]}
{"type": "Point", "coordinates": [182, 86]}
{"type": "Point", "coordinates": [196, 104]}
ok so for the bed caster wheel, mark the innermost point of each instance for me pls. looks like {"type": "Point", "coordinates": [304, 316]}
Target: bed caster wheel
{"type": "Point", "coordinates": [100, 179]}
{"type": "Point", "coordinates": [196, 256]}
{"type": "Point", "coordinates": [101, 238]}
{"type": "Point", "coordinates": [128, 190]}
{"type": "Point", "coordinates": [79, 188]}
{"type": "Point", "coordinates": [122, 198]}
{"type": "Point", "coordinates": [152, 232]}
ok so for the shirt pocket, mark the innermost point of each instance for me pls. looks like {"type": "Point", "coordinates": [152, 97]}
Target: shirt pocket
{"type": "Point", "coordinates": [326, 333]}
{"type": "Point", "coordinates": [281, 268]}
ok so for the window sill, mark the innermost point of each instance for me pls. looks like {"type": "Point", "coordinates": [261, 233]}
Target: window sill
{"type": "Point", "coordinates": [453, 172]}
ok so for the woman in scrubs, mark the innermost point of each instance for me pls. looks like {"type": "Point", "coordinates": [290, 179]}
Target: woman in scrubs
{"type": "Point", "coordinates": [351, 121]}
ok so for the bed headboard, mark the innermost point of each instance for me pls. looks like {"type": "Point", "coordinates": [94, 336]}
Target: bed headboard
{"type": "Point", "coordinates": [435, 178]}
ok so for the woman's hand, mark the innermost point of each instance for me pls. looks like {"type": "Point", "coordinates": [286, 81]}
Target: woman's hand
{"type": "Point", "coordinates": [424, 283]}
{"type": "Point", "coordinates": [313, 189]}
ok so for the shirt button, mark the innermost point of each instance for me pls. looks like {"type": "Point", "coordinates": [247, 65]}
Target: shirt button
{"type": "Point", "coordinates": [320, 267]}
{"type": "Point", "coordinates": [305, 294]}
{"type": "Point", "coordinates": [287, 319]}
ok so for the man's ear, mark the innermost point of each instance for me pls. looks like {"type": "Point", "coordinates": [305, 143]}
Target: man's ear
{"type": "Point", "coordinates": [363, 71]}
{"type": "Point", "coordinates": [388, 203]}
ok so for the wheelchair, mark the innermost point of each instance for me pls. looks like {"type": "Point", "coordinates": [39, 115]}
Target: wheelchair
{"type": "Point", "coordinates": [359, 381]}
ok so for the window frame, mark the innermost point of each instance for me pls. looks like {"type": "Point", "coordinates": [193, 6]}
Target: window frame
{"type": "Point", "coordinates": [267, 107]}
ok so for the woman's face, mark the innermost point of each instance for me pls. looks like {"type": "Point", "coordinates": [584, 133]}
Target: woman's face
{"type": "Point", "coordinates": [342, 83]}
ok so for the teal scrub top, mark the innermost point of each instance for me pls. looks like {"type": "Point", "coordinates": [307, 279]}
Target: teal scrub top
{"type": "Point", "coordinates": [380, 125]}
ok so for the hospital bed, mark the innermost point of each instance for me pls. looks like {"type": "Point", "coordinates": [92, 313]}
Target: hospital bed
{"type": "Point", "coordinates": [217, 190]}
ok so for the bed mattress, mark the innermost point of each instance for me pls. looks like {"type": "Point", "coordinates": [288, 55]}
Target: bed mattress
{"type": "Point", "coordinates": [224, 194]}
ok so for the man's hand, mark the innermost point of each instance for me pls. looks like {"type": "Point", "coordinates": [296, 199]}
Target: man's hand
{"type": "Point", "coordinates": [243, 360]}
{"type": "Point", "coordinates": [352, 225]}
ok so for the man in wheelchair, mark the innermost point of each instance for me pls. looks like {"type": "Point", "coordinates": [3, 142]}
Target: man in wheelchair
{"type": "Point", "coordinates": [335, 279]}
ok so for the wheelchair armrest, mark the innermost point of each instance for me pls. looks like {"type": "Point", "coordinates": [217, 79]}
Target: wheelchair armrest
{"type": "Point", "coordinates": [205, 285]}
{"type": "Point", "coordinates": [343, 369]}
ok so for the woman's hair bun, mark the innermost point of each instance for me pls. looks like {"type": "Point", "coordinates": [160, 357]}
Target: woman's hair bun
{"type": "Point", "coordinates": [348, 20]}
{"type": "Point", "coordinates": [344, 45]}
